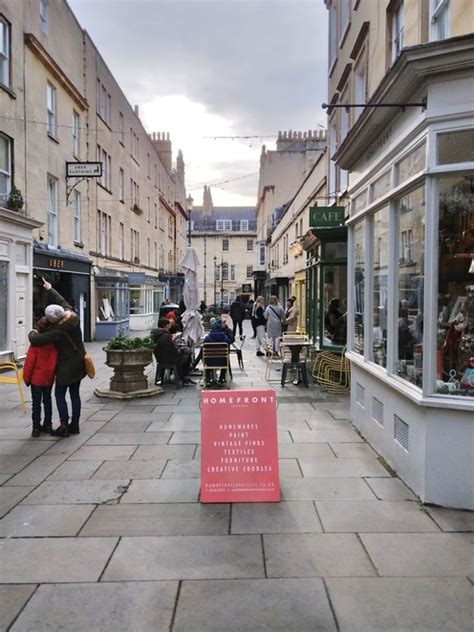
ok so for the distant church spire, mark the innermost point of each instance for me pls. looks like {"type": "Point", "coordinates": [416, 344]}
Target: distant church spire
{"type": "Point", "coordinates": [207, 205]}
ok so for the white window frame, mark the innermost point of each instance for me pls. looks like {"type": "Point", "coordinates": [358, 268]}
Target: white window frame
{"type": "Point", "coordinates": [5, 51]}
{"type": "Point", "coordinates": [440, 14]}
{"type": "Point", "coordinates": [121, 184]}
{"type": "Point", "coordinates": [249, 272]}
{"type": "Point", "coordinates": [7, 173]}
{"type": "Point", "coordinates": [398, 28]}
{"type": "Point", "coordinates": [76, 134]}
{"type": "Point", "coordinates": [51, 109]}
{"type": "Point", "coordinates": [43, 16]}
{"type": "Point", "coordinates": [122, 241]}
{"type": "Point", "coordinates": [360, 82]}
{"type": "Point", "coordinates": [225, 245]}
{"type": "Point", "coordinates": [223, 224]}
{"type": "Point", "coordinates": [232, 272]}
{"type": "Point", "coordinates": [249, 245]}
{"type": "Point", "coordinates": [77, 217]}
{"type": "Point", "coordinates": [121, 128]}
{"type": "Point", "coordinates": [343, 19]}
{"type": "Point", "coordinates": [332, 39]}
{"type": "Point", "coordinates": [52, 197]}
{"type": "Point", "coordinates": [244, 224]}
{"type": "Point", "coordinates": [262, 253]}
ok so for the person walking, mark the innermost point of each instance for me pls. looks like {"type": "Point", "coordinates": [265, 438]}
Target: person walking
{"type": "Point", "coordinates": [66, 334]}
{"type": "Point", "coordinates": [237, 313]}
{"type": "Point", "coordinates": [260, 324]}
{"type": "Point", "coordinates": [275, 317]}
{"type": "Point", "coordinates": [291, 315]}
{"type": "Point", "coordinates": [39, 372]}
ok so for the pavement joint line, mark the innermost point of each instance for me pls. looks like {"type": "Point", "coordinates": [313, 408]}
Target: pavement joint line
{"type": "Point", "coordinates": [231, 505]}
{"type": "Point", "coordinates": [333, 610]}
{"type": "Point", "coordinates": [319, 517]}
{"type": "Point", "coordinates": [357, 535]}
{"type": "Point", "coordinates": [332, 449]}
{"type": "Point", "coordinates": [12, 623]}
{"type": "Point", "coordinates": [119, 539]}
{"type": "Point", "coordinates": [175, 608]}
{"type": "Point", "coordinates": [264, 556]}
{"type": "Point", "coordinates": [364, 478]}
{"type": "Point", "coordinates": [78, 534]}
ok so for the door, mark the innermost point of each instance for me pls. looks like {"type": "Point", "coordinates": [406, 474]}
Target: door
{"type": "Point", "coordinates": [21, 314]}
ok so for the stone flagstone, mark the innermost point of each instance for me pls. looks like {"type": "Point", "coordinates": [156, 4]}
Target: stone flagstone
{"type": "Point", "coordinates": [12, 600]}
{"type": "Point", "coordinates": [44, 520]}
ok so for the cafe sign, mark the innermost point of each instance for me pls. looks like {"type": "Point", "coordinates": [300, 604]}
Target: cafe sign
{"type": "Point", "coordinates": [326, 216]}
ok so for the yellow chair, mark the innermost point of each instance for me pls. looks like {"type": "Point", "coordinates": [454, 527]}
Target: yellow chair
{"type": "Point", "coordinates": [332, 371]}
{"type": "Point", "coordinates": [5, 379]}
{"type": "Point", "coordinates": [273, 359]}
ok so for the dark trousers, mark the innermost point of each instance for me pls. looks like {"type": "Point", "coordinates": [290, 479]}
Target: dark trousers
{"type": "Point", "coordinates": [41, 395]}
{"type": "Point", "coordinates": [234, 328]}
{"type": "Point", "coordinates": [60, 394]}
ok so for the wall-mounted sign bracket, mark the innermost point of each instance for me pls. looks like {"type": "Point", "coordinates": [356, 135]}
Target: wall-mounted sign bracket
{"type": "Point", "coordinates": [80, 171]}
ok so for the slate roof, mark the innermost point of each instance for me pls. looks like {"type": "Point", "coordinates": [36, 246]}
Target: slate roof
{"type": "Point", "coordinates": [207, 223]}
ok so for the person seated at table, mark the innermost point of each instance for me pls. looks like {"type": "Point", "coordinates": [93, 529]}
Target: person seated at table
{"type": "Point", "coordinates": [230, 340]}
{"type": "Point", "coordinates": [216, 335]}
{"type": "Point", "coordinates": [167, 352]}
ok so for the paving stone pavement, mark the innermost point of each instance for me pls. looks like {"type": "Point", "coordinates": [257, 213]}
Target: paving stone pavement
{"type": "Point", "coordinates": [104, 531]}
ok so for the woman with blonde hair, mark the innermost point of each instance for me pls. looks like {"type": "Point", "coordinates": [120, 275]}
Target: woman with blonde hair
{"type": "Point", "coordinates": [275, 317]}
{"type": "Point", "coordinates": [260, 323]}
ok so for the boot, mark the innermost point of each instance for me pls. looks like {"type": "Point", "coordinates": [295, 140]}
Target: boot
{"type": "Point", "coordinates": [36, 432]}
{"type": "Point", "coordinates": [73, 427]}
{"type": "Point", "coordinates": [46, 427]}
{"type": "Point", "coordinates": [61, 430]}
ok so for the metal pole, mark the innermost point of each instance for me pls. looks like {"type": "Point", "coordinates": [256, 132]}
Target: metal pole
{"type": "Point", "coordinates": [189, 227]}
{"type": "Point", "coordinates": [205, 269]}
{"type": "Point", "coordinates": [222, 283]}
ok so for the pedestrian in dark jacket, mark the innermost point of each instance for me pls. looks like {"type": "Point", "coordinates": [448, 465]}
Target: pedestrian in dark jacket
{"type": "Point", "coordinates": [38, 372]}
{"type": "Point", "coordinates": [167, 352]}
{"type": "Point", "coordinates": [66, 334]}
{"type": "Point", "coordinates": [216, 335]}
{"type": "Point", "coordinates": [237, 313]}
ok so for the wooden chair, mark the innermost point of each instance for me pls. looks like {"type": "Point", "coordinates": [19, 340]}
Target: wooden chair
{"type": "Point", "coordinates": [215, 357]}
{"type": "Point", "coordinates": [294, 358]}
{"type": "Point", "coordinates": [8, 379]}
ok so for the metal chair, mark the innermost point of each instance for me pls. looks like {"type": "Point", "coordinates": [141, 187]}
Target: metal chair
{"type": "Point", "coordinates": [273, 359]}
{"type": "Point", "coordinates": [294, 357]}
{"type": "Point", "coordinates": [332, 371]}
{"type": "Point", "coordinates": [236, 347]}
{"type": "Point", "coordinates": [5, 379]}
{"type": "Point", "coordinates": [215, 357]}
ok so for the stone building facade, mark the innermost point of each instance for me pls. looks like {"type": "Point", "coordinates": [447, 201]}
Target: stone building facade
{"type": "Point", "coordinates": [110, 246]}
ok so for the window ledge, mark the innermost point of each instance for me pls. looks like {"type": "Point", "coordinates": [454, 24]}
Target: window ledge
{"type": "Point", "coordinates": [344, 35]}
{"type": "Point", "coordinates": [79, 244]}
{"type": "Point", "coordinates": [104, 121]}
{"type": "Point", "coordinates": [104, 188]}
{"type": "Point", "coordinates": [8, 90]}
{"type": "Point", "coordinates": [53, 138]}
{"type": "Point", "coordinates": [331, 68]}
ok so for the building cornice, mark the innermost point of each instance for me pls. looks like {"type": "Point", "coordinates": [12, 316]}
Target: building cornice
{"type": "Point", "coordinates": [409, 76]}
{"type": "Point", "coordinates": [48, 62]}
{"type": "Point", "coordinates": [18, 218]}
{"type": "Point", "coordinates": [167, 205]}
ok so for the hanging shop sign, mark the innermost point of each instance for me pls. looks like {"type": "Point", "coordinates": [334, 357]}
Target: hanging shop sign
{"type": "Point", "coordinates": [320, 216]}
{"type": "Point", "coordinates": [83, 169]}
{"type": "Point", "coordinates": [239, 446]}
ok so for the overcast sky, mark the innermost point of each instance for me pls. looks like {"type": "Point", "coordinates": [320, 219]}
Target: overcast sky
{"type": "Point", "coordinates": [205, 68]}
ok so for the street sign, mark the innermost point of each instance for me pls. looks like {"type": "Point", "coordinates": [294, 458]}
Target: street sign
{"type": "Point", "coordinates": [326, 216]}
{"type": "Point", "coordinates": [83, 169]}
{"type": "Point", "coordinates": [239, 446]}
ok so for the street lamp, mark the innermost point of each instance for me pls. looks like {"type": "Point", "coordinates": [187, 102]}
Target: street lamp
{"type": "Point", "coordinates": [222, 282]}
{"type": "Point", "coordinates": [215, 293]}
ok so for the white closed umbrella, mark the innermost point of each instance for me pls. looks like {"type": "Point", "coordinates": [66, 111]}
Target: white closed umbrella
{"type": "Point", "coordinates": [191, 318]}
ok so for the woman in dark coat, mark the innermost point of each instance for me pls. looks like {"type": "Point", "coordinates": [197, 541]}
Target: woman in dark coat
{"type": "Point", "coordinates": [67, 336]}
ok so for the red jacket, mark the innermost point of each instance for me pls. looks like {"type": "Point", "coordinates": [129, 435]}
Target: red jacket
{"type": "Point", "coordinates": [40, 365]}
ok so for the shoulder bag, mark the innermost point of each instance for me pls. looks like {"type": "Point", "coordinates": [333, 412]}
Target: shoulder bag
{"type": "Point", "coordinates": [88, 362]}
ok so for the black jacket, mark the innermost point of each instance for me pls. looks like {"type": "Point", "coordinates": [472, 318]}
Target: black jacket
{"type": "Point", "coordinates": [237, 311]}
{"type": "Point", "coordinates": [70, 367]}
{"type": "Point", "coordinates": [166, 351]}
{"type": "Point", "coordinates": [259, 318]}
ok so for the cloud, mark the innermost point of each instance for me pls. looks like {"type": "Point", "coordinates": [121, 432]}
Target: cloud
{"type": "Point", "coordinates": [215, 67]}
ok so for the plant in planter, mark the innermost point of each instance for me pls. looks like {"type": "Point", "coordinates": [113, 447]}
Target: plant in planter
{"type": "Point", "coordinates": [128, 357]}
{"type": "Point", "coordinates": [15, 200]}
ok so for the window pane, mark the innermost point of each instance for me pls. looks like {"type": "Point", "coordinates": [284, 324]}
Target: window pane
{"type": "Point", "coordinates": [359, 202]}
{"type": "Point", "coordinates": [334, 305]}
{"type": "Point", "coordinates": [380, 297]}
{"type": "Point", "coordinates": [359, 286]}
{"type": "Point", "coordinates": [381, 186]}
{"type": "Point", "coordinates": [411, 246]}
{"type": "Point", "coordinates": [412, 164]}
{"type": "Point", "coordinates": [455, 147]}
{"type": "Point", "coordinates": [455, 371]}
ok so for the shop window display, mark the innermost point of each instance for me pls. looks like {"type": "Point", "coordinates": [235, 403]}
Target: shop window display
{"type": "Point", "coordinates": [335, 305]}
{"type": "Point", "coordinates": [112, 301]}
{"type": "Point", "coordinates": [455, 334]}
{"type": "Point", "coordinates": [359, 287]}
{"type": "Point", "coordinates": [3, 304]}
{"type": "Point", "coordinates": [380, 292]}
{"type": "Point", "coordinates": [411, 246]}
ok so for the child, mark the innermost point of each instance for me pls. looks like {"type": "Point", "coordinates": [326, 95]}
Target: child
{"type": "Point", "coordinates": [39, 372]}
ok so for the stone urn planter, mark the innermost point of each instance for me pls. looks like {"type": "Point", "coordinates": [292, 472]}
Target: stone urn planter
{"type": "Point", "coordinates": [129, 357]}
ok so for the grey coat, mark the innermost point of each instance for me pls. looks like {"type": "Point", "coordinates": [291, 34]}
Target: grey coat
{"type": "Point", "coordinates": [70, 367]}
{"type": "Point", "coordinates": [274, 314]}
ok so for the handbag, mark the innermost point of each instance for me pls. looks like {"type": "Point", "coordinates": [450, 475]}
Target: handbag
{"type": "Point", "coordinates": [88, 361]}
{"type": "Point", "coordinates": [282, 318]}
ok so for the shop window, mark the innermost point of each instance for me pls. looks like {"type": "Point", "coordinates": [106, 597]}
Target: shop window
{"type": "Point", "coordinates": [411, 164]}
{"type": "Point", "coordinates": [455, 335]}
{"type": "Point", "coordinates": [4, 51]}
{"type": "Point", "coordinates": [112, 300]}
{"type": "Point", "coordinates": [5, 168]}
{"type": "Point", "coordinates": [381, 186]}
{"type": "Point", "coordinates": [335, 305]}
{"type": "Point", "coordinates": [359, 286]}
{"type": "Point", "coordinates": [380, 290]}
{"type": "Point", "coordinates": [411, 253]}
{"type": "Point", "coordinates": [359, 202]}
{"type": "Point", "coordinates": [3, 305]}
{"type": "Point", "coordinates": [455, 147]}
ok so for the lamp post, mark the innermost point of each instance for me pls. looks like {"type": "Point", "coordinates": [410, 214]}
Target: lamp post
{"type": "Point", "coordinates": [215, 293]}
{"type": "Point", "coordinates": [189, 226]}
{"type": "Point", "coordinates": [222, 282]}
